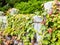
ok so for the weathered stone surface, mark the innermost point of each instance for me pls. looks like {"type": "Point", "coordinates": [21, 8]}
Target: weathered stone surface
{"type": "Point", "coordinates": [13, 11]}
{"type": "Point", "coordinates": [3, 22]}
{"type": "Point", "coordinates": [1, 13]}
{"type": "Point", "coordinates": [48, 6]}
{"type": "Point", "coordinates": [37, 26]}
{"type": "Point", "coordinates": [37, 18]}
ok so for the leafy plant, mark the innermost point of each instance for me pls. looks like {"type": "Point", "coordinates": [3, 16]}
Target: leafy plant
{"type": "Point", "coordinates": [29, 7]}
{"type": "Point", "coordinates": [21, 26]}
{"type": "Point", "coordinates": [52, 35]}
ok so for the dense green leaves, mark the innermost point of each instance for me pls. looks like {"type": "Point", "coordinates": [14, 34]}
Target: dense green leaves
{"type": "Point", "coordinates": [25, 6]}
{"type": "Point", "coordinates": [29, 7]}
{"type": "Point", "coordinates": [52, 37]}
{"type": "Point", "coordinates": [21, 26]}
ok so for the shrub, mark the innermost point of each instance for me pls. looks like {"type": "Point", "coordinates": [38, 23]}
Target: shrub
{"type": "Point", "coordinates": [29, 7]}
{"type": "Point", "coordinates": [21, 26]}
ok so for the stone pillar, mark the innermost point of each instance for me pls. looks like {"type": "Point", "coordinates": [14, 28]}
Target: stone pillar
{"type": "Point", "coordinates": [37, 26]}
{"type": "Point", "coordinates": [48, 6]}
{"type": "Point", "coordinates": [3, 21]}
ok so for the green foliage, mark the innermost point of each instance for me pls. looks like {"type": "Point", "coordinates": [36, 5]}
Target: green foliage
{"type": "Point", "coordinates": [0, 41]}
{"type": "Point", "coordinates": [29, 7]}
{"type": "Point", "coordinates": [53, 22]}
{"type": "Point", "coordinates": [4, 8]}
{"type": "Point", "coordinates": [21, 26]}
{"type": "Point", "coordinates": [25, 6]}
